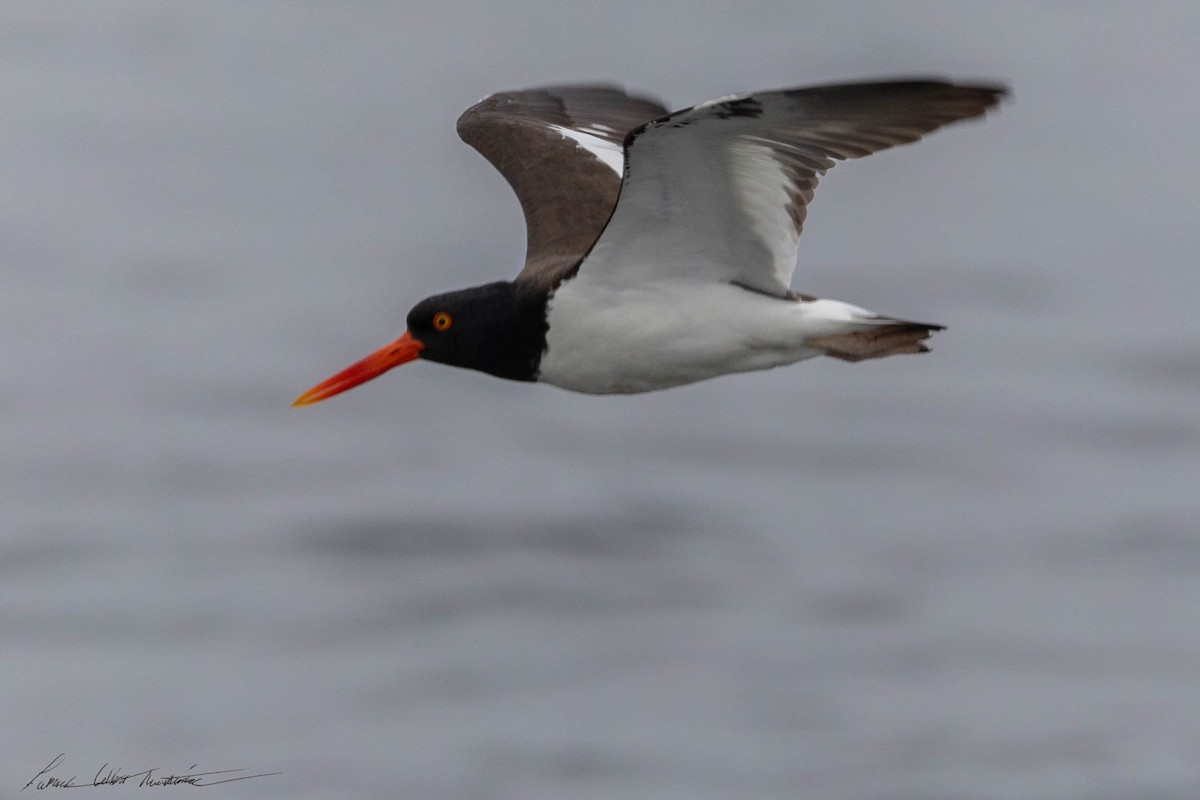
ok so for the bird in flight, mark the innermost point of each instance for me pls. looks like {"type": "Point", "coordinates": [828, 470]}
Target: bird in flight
{"type": "Point", "coordinates": [661, 246]}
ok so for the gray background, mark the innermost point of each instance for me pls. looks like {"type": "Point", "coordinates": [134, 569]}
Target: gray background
{"type": "Point", "coordinates": [969, 575]}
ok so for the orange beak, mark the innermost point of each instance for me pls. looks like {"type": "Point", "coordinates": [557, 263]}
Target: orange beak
{"type": "Point", "coordinates": [401, 351]}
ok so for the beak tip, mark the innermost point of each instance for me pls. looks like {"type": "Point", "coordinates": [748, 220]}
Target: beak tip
{"type": "Point", "coordinates": [313, 395]}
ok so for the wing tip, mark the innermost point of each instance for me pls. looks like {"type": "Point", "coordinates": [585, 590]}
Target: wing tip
{"type": "Point", "coordinates": [982, 94]}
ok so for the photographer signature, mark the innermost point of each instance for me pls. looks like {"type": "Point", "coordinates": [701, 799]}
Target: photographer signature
{"type": "Point", "coordinates": [108, 776]}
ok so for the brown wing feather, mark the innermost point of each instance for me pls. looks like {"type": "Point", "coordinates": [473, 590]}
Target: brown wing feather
{"type": "Point", "coordinates": [566, 193]}
{"type": "Point", "coordinates": [855, 120]}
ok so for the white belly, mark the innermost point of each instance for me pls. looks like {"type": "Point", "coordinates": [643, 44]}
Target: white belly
{"type": "Point", "coordinates": [604, 339]}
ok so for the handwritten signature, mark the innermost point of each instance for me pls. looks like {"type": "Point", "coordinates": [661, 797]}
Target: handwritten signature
{"type": "Point", "coordinates": [108, 776]}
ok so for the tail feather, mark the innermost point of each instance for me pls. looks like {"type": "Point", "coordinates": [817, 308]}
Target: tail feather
{"type": "Point", "coordinates": [886, 337]}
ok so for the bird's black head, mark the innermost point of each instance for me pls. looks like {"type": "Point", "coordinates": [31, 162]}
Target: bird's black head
{"type": "Point", "coordinates": [498, 328]}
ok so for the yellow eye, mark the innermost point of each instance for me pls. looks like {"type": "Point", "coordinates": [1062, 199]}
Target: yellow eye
{"type": "Point", "coordinates": [441, 321]}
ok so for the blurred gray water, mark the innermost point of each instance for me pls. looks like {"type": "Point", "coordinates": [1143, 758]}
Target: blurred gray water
{"type": "Point", "coordinates": [974, 574]}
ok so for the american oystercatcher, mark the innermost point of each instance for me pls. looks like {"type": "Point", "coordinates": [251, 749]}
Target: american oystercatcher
{"type": "Point", "coordinates": [660, 246]}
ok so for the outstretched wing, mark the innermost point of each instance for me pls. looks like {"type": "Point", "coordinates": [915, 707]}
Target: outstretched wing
{"type": "Point", "coordinates": [560, 148]}
{"type": "Point", "coordinates": [720, 191]}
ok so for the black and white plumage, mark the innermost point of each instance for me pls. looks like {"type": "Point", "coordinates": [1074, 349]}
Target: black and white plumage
{"type": "Point", "coordinates": [660, 247]}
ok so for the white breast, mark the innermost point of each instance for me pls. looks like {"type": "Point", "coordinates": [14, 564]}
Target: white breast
{"type": "Point", "coordinates": [606, 339]}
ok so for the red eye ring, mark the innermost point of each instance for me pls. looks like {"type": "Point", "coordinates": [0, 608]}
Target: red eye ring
{"type": "Point", "coordinates": [442, 321]}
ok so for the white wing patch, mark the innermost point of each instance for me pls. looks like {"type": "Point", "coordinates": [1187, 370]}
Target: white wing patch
{"type": "Point", "coordinates": [765, 194]}
{"type": "Point", "coordinates": [603, 150]}
{"type": "Point", "coordinates": [716, 101]}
